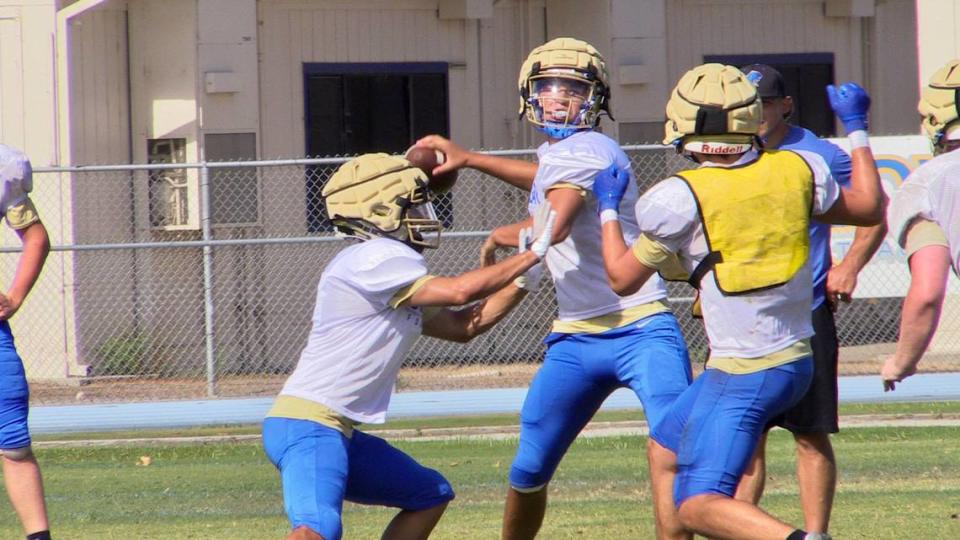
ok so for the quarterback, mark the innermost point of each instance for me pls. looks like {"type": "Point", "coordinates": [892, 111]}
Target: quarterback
{"type": "Point", "coordinates": [738, 224]}
{"type": "Point", "coordinates": [600, 341]}
{"type": "Point", "coordinates": [373, 300]}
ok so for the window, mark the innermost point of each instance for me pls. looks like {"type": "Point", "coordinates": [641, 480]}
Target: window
{"type": "Point", "coordinates": [358, 108]}
{"type": "Point", "coordinates": [234, 191]}
{"type": "Point", "coordinates": [806, 76]}
{"type": "Point", "coordinates": [172, 195]}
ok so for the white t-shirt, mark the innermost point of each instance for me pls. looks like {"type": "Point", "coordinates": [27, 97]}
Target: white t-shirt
{"type": "Point", "coordinates": [576, 264]}
{"type": "Point", "coordinates": [358, 341]}
{"type": "Point", "coordinates": [741, 326]}
{"type": "Point", "coordinates": [931, 192]}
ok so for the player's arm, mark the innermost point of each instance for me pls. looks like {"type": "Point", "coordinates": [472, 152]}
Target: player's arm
{"type": "Point", "coordinates": [36, 246]}
{"type": "Point", "coordinates": [625, 271]}
{"type": "Point", "coordinates": [482, 282]}
{"type": "Point", "coordinates": [566, 202]}
{"type": "Point", "coordinates": [462, 325]}
{"type": "Point", "coordinates": [516, 172]}
{"type": "Point", "coordinates": [864, 202]}
{"type": "Point", "coordinates": [842, 278]}
{"type": "Point", "coordinates": [929, 269]}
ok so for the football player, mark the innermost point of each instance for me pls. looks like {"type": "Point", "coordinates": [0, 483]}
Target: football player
{"type": "Point", "coordinates": [21, 472]}
{"type": "Point", "coordinates": [814, 417]}
{"type": "Point", "coordinates": [738, 224]}
{"type": "Point", "coordinates": [600, 341]}
{"type": "Point", "coordinates": [373, 300]}
{"type": "Point", "coordinates": [924, 218]}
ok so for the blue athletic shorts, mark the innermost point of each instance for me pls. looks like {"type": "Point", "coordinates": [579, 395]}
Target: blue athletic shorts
{"type": "Point", "coordinates": [715, 424]}
{"type": "Point", "coordinates": [14, 394]}
{"type": "Point", "coordinates": [580, 371]}
{"type": "Point", "coordinates": [320, 467]}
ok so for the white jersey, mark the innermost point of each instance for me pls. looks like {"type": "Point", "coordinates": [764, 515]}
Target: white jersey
{"type": "Point", "coordinates": [576, 264]}
{"type": "Point", "coordinates": [358, 341]}
{"type": "Point", "coordinates": [16, 178]}
{"type": "Point", "coordinates": [742, 326]}
{"type": "Point", "coordinates": [931, 192]}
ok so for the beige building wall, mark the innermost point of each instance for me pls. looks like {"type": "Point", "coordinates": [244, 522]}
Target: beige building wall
{"type": "Point", "coordinates": [938, 25]}
{"type": "Point", "coordinates": [872, 50]}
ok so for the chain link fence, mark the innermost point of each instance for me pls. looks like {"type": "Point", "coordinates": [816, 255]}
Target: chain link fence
{"type": "Point", "coordinates": [185, 281]}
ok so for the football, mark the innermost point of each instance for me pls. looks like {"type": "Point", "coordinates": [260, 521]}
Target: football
{"type": "Point", "coordinates": [426, 159]}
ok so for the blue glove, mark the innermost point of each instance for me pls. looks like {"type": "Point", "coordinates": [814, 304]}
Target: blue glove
{"type": "Point", "coordinates": [609, 187]}
{"type": "Point", "coordinates": [850, 102]}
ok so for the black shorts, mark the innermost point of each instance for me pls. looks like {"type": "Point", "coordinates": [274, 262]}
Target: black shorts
{"type": "Point", "coordinates": [816, 412]}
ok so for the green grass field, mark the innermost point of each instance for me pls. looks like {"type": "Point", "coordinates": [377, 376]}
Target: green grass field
{"type": "Point", "coordinates": [893, 482]}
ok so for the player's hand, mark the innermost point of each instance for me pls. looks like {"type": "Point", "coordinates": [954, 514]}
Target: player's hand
{"type": "Point", "coordinates": [456, 156]}
{"type": "Point", "coordinates": [488, 251]}
{"type": "Point", "coordinates": [543, 221]}
{"type": "Point", "coordinates": [893, 371]}
{"type": "Point", "coordinates": [841, 282]}
{"type": "Point", "coordinates": [609, 187]}
{"type": "Point", "coordinates": [850, 102]}
{"type": "Point", "coordinates": [529, 280]}
{"type": "Point", "coordinates": [8, 307]}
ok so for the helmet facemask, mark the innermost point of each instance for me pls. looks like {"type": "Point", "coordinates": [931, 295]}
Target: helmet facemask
{"type": "Point", "coordinates": [561, 103]}
{"type": "Point", "coordinates": [420, 221]}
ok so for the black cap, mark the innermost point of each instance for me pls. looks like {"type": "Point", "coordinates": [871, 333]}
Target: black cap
{"type": "Point", "coordinates": [770, 84]}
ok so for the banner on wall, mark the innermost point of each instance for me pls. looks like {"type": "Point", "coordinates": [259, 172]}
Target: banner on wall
{"type": "Point", "coordinates": [887, 274]}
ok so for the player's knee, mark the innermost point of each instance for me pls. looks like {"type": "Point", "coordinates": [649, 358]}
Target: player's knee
{"type": "Point", "coordinates": [814, 444]}
{"type": "Point", "coordinates": [526, 479]}
{"type": "Point", "coordinates": [304, 532]}
{"type": "Point", "coordinates": [18, 454]}
{"type": "Point", "coordinates": [324, 521]}
{"type": "Point", "coordinates": [444, 492]}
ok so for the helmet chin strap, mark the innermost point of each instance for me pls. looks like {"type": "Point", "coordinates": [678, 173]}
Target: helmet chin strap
{"type": "Point", "coordinates": [556, 131]}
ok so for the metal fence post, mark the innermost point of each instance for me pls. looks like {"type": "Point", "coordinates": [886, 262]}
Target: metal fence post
{"type": "Point", "coordinates": [208, 307]}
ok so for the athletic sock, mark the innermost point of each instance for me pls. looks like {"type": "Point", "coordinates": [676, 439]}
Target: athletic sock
{"type": "Point", "coordinates": [797, 535]}
{"type": "Point", "coordinates": [41, 535]}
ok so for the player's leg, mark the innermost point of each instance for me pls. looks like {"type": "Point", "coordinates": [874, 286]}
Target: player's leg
{"type": "Point", "coordinates": [21, 472]}
{"type": "Point", "coordinates": [383, 475]}
{"type": "Point", "coordinates": [812, 420]}
{"type": "Point", "coordinates": [562, 398]}
{"type": "Point", "coordinates": [654, 362]}
{"type": "Point", "coordinates": [313, 463]}
{"type": "Point", "coordinates": [723, 426]}
{"type": "Point", "coordinates": [24, 483]}
{"type": "Point", "coordinates": [754, 479]}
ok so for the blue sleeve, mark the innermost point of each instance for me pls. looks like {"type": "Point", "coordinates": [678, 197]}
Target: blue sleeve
{"type": "Point", "coordinates": [841, 167]}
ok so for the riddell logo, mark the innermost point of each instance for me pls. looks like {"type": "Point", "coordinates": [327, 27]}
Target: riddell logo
{"type": "Point", "coordinates": [720, 148]}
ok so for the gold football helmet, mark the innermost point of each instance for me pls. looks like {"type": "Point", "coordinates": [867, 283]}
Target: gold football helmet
{"type": "Point", "coordinates": [714, 109]}
{"type": "Point", "coordinates": [378, 195]}
{"type": "Point", "coordinates": [564, 87]}
{"type": "Point", "coordinates": [939, 104]}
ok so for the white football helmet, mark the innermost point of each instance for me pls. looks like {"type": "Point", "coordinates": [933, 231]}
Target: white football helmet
{"type": "Point", "coordinates": [382, 195]}
{"type": "Point", "coordinates": [564, 87]}
{"type": "Point", "coordinates": [940, 106]}
{"type": "Point", "coordinates": [714, 109]}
